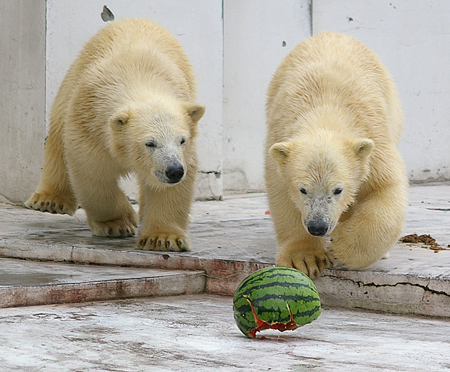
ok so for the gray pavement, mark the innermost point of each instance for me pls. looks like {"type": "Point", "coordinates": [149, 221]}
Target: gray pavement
{"type": "Point", "coordinates": [197, 333]}
{"type": "Point", "coordinates": [45, 260]}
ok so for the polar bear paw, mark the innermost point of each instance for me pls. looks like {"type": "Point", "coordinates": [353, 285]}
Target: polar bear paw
{"type": "Point", "coordinates": [114, 228]}
{"type": "Point", "coordinates": [45, 202]}
{"type": "Point", "coordinates": [163, 242]}
{"type": "Point", "coordinates": [311, 263]}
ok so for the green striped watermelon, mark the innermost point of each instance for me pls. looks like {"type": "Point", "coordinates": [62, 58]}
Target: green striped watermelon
{"type": "Point", "coordinates": [279, 298]}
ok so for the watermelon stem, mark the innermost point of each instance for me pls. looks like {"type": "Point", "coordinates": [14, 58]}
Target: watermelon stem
{"type": "Point", "coordinates": [262, 325]}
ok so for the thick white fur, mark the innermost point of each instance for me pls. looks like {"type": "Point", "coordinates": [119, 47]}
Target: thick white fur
{"type": "Point", "coordinates": [334, 121]}
{"type": "Point", "coordinates": [127, 104]}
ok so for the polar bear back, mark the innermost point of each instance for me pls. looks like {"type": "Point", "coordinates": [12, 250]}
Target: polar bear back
{"type": "Point", "coordinates": [330, 66]}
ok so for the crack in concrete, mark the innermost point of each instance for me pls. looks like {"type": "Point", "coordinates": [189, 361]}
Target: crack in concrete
{"type": "Point", "coordinates": [360, 284]}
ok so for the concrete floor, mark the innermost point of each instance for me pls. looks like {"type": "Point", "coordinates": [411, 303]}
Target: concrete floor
{"type": "Point", "coordinates": [195, 331]}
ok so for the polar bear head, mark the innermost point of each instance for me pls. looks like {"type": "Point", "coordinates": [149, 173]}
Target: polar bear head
{"type": "Point", "coordinates": [156, 139]}
{"type": "Point", "coordinates": [323, 175]}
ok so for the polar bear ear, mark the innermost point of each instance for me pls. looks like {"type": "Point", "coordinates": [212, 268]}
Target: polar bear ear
{"type": "Point", "coordinates": [195, 111]}
{"type": "Point", "coordinates": [280, 151]}
{"type": "Point", "coordinates": [363, 147]}
{"type": "Point", "coordinates": [119, 120]}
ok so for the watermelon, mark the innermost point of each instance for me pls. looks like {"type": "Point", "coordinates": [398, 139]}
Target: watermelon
{"type": "Point", "coordinates": [279, 298]}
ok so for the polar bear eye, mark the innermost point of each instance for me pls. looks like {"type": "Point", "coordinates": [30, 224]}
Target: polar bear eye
{"type": "Point", "coordinates": [337, 191]}
{"type": "Point", "coordinates": [182, 141]}
{"type": "Point", "coordinates": [150, 143]}
{"type": "Point", "coordinates": [303, 190]}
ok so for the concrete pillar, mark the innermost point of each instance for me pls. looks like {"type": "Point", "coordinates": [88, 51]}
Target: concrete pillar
{"type": "Point", "coordinates": [22, 96]}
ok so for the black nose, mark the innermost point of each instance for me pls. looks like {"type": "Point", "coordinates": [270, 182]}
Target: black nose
{"type": "Point", "coordinates": [317, 227]}
{"type": "Point", "coordinates": [175, 173]}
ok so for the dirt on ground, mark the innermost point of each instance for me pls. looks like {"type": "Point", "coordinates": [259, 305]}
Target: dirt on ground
{"type": "Point", "coordinates": [426, 239]}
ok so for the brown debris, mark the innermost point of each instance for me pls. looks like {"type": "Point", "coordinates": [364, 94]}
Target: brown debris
{"type": "Point", "coordinates": [428, 240]}
{"type": "Point", "coordinates": [414, 238]}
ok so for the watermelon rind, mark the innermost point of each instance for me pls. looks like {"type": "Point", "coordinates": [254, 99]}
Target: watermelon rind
{"type": "Point", "coordinates": [278, 295]}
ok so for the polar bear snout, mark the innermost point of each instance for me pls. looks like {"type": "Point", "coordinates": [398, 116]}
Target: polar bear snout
{"type": "Point", "coordinates": [168, 164]}
{"type": "Point", "coordinates": [175, 172]}
{"type": "Point", "coordinates": [318, 227]}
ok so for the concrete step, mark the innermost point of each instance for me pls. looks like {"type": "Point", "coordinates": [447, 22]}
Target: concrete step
{"type": "Point", "coordinates": [409, 282]}
{"type": "Point", "coordinates": [235, 237]}
{"type": "Point", "coordinates": [27, 283]}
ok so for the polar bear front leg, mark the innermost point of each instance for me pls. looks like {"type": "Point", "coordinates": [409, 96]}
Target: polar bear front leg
{"type": "Point", "coordinates": [296, 248]}
{"type": "Point", "coordinates": [373, 228]}
{"type": "Point", "coordinates": [108, 211]}
{"type": "Point", "coordinates": [164, 214]}
{"type": "Point", "coordinates": [307, 254]}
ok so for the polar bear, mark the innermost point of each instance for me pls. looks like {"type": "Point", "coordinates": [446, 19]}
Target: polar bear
{"type": "Point", "coordinates": [332, 167]}
{"type": "Point", "coordinates": [127, 104]}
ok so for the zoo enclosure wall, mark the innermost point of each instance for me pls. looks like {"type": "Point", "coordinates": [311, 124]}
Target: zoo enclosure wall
{"type": "Point", "coordinates": [235, 47]}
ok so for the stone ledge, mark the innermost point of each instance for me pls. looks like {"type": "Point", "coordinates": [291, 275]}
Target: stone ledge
{"type": "Point", "coordinates": [234, 237]}
{"type": "Point", "coordinates": [390, 285]}
{"type": "Point", "coordinates": [26, 283]}
{"type": "Point", "coordinates": [385, 292]}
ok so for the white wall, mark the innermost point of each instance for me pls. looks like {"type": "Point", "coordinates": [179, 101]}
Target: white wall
{"type": "Point", "coordinates": [234, 58]}
{"type": "Point", "coordinates": [413, 40]}
{"type": "Point", "coordinates": [198, 26]}
{"type": "Point", "coordinates": [235, 47]}
{"type": "Point", "coordinates": [257, 36]}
